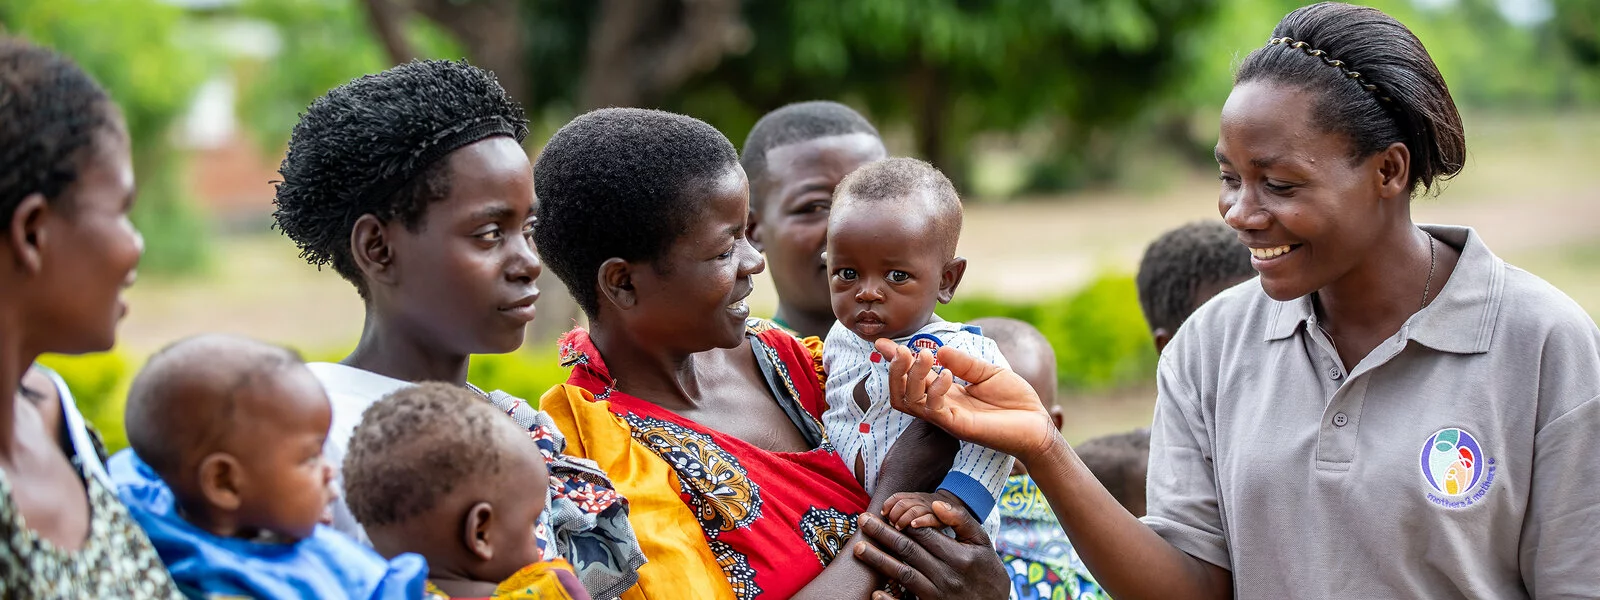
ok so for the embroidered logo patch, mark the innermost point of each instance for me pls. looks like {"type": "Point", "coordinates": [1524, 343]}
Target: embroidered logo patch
{"type": "Point", "coordinates": [924, 341]}
{"type": "Point", "coordinates": [1457, 472]}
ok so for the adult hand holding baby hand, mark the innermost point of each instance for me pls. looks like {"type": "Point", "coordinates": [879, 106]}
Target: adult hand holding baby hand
{"type": "Point", "coordinates": [997, 408]}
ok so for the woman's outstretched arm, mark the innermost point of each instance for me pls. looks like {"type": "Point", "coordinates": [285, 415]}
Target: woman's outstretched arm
{"type": "Point", "coordinates": [999, 409]}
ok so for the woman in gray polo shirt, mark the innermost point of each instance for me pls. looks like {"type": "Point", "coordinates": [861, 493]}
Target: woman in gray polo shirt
{"type": "Point", "coordinates": [1389, 411]}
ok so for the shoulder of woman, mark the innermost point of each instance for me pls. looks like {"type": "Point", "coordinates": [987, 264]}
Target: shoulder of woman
{"type": "Point", "coordinates": [1236, 313]}
{"type": "Point", "coordinates": [1528, 301]}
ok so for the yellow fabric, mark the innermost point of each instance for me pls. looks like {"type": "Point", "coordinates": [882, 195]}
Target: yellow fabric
{"type": "Point", "coordinates": [681, 564]}
{"type": "Point", "coordinates": [537, 581]}
{"type": "Point", "coordinates": [813, 345]}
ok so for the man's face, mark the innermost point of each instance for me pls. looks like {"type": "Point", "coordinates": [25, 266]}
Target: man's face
{"type": "Point", "coordinates": [792, 202]}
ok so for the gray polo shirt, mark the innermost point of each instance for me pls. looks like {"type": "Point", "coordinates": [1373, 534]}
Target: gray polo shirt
{"type": "Point", "coordinates": [1460, 459]}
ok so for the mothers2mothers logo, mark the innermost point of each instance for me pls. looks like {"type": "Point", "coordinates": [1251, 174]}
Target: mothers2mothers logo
{"type": "Point", "coordinates": [1455, 468]}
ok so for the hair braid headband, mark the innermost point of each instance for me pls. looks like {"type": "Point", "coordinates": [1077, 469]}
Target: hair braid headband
{"type": "Point", "coordinates": [1332, 62]}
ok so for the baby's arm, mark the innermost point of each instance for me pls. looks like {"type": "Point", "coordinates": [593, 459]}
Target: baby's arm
{"type": "Point", "coordinates": [979, 474]}
{"type": "Point", "coordinates": [974, 483]}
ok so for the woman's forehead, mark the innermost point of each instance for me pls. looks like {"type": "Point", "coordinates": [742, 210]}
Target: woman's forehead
{"type": "Point", "coordinates": [1266, 123]}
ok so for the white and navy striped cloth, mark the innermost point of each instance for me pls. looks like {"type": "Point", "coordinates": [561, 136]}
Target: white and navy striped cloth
{"type": "Point", "coordinates": [978, 475]}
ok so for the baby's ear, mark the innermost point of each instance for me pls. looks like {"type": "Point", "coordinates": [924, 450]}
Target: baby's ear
{"type": "Point", "coordinates": [222, 479]}
{"type": "Point", "coordinates": [950, 277]}
{"type": "Point", "coordinates": [475, 531]}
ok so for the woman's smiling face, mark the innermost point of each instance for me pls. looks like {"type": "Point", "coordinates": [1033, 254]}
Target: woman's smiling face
{"type": "Point", "coordinates": [692, 298]}
{"type": "Point", "coordinates": [1309, 210]}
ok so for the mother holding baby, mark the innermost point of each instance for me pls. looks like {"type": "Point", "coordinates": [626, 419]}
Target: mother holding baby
{"type": "Point", "coordinates": [708, 422]}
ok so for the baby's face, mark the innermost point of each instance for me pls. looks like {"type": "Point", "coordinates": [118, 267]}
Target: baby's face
{"type": "Point", "coordinates": [279, 444]}
{"type": "Point", "coordinates": [885, 268]}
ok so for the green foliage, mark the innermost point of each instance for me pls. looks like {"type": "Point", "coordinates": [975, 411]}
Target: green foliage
{"type": "Point", "coordinates": [952, 69]}
{"type": "Point", "coordinates": [526, 375]}
{"type": "Point", "coordinates": [324, 43]}
{"type": "Point", "coordinates": [1099, 335]}
{"type": "Point", "coordinates": [138, 50]}
{"type": "Point", "coordinates": [99, 385]}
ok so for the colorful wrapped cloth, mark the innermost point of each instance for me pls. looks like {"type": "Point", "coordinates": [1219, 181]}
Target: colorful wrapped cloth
{"type": "Point", "coordinates": [551, 580]}
{"type": "Point", "coordinates": [1038, 557]}
{"type": "Point", "coordinates": [723, 518]}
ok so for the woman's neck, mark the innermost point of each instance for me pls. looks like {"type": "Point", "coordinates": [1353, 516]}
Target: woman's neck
{"type": "Point", "coordinates": [15, 360]}
{"type": "Point", "coordinates": [1373, 300]}
{"type": "Point", "coordinates": [662, 376]}
{"type": "Point", "coordinates": [394, 350]}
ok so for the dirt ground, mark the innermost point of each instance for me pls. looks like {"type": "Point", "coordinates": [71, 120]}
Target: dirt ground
{"type": "Point", "coordinates": [1531, 189]}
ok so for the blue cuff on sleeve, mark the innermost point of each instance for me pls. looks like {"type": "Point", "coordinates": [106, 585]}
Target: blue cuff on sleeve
{"type": "Point", "coordinates": [976, 497]}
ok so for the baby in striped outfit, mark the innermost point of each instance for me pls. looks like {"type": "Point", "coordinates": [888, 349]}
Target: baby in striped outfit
{"type": "Point", "coordinates": [892, 234]}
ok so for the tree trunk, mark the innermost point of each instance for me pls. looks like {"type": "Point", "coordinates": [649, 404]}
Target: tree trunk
{"type": "Point", "coordinates": [930, 102]}
{"type": "Point", "coordinates": [640, 50]}
{"type": "Point", "coordinates": [388, 23]}
{"type": "Point", "coordinates": [491, 33]}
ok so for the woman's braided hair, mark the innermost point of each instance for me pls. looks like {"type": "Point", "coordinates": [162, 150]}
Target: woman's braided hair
{"type": "Point", "coordinates": [50, 111]}
{"type": "Point", "coordinates": [1383, 87]}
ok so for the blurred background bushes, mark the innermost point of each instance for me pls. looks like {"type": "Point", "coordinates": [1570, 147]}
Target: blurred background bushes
{"type": "Point", "coordinates": [1099, 335]}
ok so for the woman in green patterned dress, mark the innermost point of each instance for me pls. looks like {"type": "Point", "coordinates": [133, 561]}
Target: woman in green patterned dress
{"type": "Point", "coordinates": [67, 250]}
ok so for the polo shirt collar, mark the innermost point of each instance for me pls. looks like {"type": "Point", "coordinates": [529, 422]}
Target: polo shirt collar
{"type": "Point", "coordinates": [1460, 319]}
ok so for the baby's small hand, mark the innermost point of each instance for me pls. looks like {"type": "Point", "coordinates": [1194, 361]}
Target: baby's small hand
{"type": "Point", "coordinates": [915, 509]}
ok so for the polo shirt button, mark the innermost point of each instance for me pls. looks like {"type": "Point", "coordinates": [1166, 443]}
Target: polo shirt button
{"type": "Point", "coordinates": [1339, 420]}
{"type": "Point", "coordinates": [1334, 373]}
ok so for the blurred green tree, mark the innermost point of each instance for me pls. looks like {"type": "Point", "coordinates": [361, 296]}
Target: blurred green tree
{"type": "Point", "coordinates": [141, 52]}
{"type": "Point", "coordinates": [1577, 22]}
{"type": "Point", "coordinates": [1088, 84]}
{"type": "Point", "coordinates": [945, 69]}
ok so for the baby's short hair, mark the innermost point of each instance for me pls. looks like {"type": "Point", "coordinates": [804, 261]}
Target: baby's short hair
{"type": "Point", "coordinates": [416, 446]}
{"type": "Point", "coordinates": [183, 401]}
{"type": "Point", "coordinates": [900, 181]}
{"type": "Point", "coordinates": [1180, 262]}
{"type": "Point", "coordinates": [1120, 461]}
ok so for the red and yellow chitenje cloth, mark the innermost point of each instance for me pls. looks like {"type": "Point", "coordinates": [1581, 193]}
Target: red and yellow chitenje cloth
{"type": "Point", "coordinates": [717, 517]}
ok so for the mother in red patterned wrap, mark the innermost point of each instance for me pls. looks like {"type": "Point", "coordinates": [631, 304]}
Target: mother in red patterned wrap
{"type": "Point", "coordinates": [706, 420]}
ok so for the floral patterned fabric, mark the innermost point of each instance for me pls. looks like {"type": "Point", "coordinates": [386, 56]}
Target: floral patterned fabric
{"type": "Point", "coordinates": [767, 522]}
{"type": "Point", "coordinates": [1037, 555]}
{"type": "Point", "coordinates": [117, 561]}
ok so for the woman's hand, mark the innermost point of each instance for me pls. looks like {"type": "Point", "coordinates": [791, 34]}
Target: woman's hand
{"type": "Point", "coordinates": [997, 409]}
{"type": "Point", "coordinates": [930, 564]}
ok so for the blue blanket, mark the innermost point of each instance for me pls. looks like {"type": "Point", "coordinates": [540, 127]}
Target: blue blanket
{"type": "Point", "coordinates": [326, 565]}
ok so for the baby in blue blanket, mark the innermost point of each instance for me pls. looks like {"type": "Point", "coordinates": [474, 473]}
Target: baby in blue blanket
{"type": "Point", "coordinates": [226, 477]}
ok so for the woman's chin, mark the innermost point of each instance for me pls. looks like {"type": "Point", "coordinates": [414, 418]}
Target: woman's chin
{"type": "Point", "coordinates": [503, 342]}
{"type": "Point", "coordinates": [1285, 289]}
